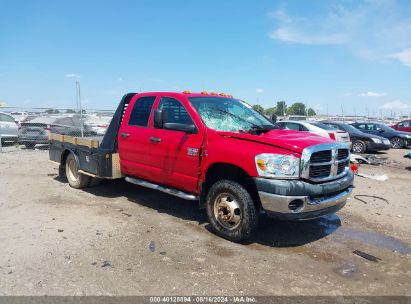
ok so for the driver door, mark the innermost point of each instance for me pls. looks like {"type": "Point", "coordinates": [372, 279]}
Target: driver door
{"type": "Point", "coordinates": [176, 154]}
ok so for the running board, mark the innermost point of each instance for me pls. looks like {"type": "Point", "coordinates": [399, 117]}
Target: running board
{"type": "Point", "coordinates": [171, 191]}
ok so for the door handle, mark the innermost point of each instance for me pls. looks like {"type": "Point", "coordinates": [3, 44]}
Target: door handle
{"type": "Point", "coordinates": [125, 135]}
{"type": "Point", "coordinates": [155, 139]}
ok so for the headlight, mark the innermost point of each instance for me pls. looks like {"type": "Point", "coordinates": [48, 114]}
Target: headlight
{"type": "Point", "coordinates": [277, 165]}
{"type": "Point", "coordinates": [376, 140]}
{"type": "Point", "coordinates": [407, 136]}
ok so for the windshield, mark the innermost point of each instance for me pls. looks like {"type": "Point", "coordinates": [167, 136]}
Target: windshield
{"type": "Point", "coordinates": [384, 127]}
{"type": "Point", "coordinates": [230, 115]}
{"type": "Point", "coordinates": [323, 126]}
{"type": "Point", "coordinates": [350, 129]}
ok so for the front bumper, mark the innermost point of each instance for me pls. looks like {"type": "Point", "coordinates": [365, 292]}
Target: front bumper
{"type": "Point", "coordinates": [299, 200]}
{"type": "Point", "coordinates": [372, 146]}
{"type": "Point", "coordinates": [35, 139]}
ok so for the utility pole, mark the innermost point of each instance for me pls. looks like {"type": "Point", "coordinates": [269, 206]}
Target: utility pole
{"type": "Point", "coordinates": [81, 108]}
{"type": "Point", "coordinates": [342, 113]}
{"type": "Point", "coordinates": [327, 110]}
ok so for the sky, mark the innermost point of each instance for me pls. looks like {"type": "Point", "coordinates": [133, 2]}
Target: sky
{"type": "Point", "coordinates": [351, 56]}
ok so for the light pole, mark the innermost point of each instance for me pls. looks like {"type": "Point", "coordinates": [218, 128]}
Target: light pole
{"type": "Point", "coordinates": [78, 98]}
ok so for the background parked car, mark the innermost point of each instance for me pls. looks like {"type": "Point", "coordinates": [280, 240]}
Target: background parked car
{"type": "Point", "coordinates": [361, 142]}
{"type": "Point", "coordinates": [37, 130]}
{"type": "Point", "coordinates": [98, 124]}
{"type": "Point", "coordinates": [317, 128]}
{"type": "Point", "coordinates": [398, 139]}
{"type": "Point", "coordinates": [8, 128]}
{"type": "Point", "coordinates": [404, 126]}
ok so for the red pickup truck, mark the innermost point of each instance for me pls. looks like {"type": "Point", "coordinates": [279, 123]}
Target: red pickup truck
{"type": "Point", "coordinates": [214, 149]}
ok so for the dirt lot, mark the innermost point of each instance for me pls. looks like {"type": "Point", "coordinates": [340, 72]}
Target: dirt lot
{"type": "Point", "coordinates": [120, 239]}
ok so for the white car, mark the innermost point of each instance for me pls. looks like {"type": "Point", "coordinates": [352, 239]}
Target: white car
{"type": "Point", "coordinates": [8, 128]}
{"type": "Point", "coordinates": [98, 124]}
{"type": "Point", "coordinates": [317, 128]}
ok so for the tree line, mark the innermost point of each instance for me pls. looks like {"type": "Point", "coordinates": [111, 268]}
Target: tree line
{"type": "Point", "coordinates": [68, 111]}
{"type": "Point", "coordinates": [281, 109]}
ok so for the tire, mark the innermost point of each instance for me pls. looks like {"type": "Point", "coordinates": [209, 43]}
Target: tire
{"type": "Point", "coordinates": [76, 180]}
{"type": "Point", "coordinates": [231, 211]}
{"type": "Point", "coordinates": [30, 146]}
{"type": "Point", "coordinates": [397, 143]}
{"type": "Point", "coordinates": [359, 146]}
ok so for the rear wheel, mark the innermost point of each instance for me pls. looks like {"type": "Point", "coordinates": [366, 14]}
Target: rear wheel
{"type": "Point", "coordinates": [397, 143]}
{"type": "Point", "coordinates": [29, 146]}
{"type": "Point", "coordinates": [359, 146]}
{"type": "Point", "coordinates": [76, 179]}
{"type": "Point", "coordinates": [231, 211]}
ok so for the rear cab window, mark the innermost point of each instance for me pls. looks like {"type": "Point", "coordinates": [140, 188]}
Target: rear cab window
{"type": "Point", "coordinates": [141, 111]}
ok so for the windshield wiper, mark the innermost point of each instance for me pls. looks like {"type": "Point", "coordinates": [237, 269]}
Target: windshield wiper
{"type": "Point", "coordinates": [255, 129]}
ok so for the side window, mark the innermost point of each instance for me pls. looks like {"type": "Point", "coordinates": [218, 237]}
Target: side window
{"type": "Point", "coordinates": [176, 113]}
{"type": "Point", "coordinates": [303, 128]}
{"type": "Point", "coordinates": [7, 118]}
{"type": "Point", "coordinates": [405, 124]}
{"type": "Point", "coordinates": [371, 127]}
{"type": "Point", "coordinates": [361, 126]}
{"type": "Point", "coordinates": [141, 111]}
{"type": "Point", "coordinates": [292, 126]}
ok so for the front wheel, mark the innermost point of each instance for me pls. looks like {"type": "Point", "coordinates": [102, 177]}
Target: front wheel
{"type": "Point", "coordinates": [359, 146]}
{"type": "Point", "coordinates": [397, 143]}
{"type": "Point", "coordinates": [231, 211]}
{"type": "Point", "coordinates": [76, 179]}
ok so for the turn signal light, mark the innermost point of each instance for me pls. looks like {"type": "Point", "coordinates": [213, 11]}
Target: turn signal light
{"type": "Point", "coordinates": [213, 93]}
{"type": "Point", "coordinates": [204, 93]}
{"type": "Point", "coordinates": [222, 94]}
{"type": "Point", "coordinates": [186, 92]}
{"type": "Point", "coordinates": [260, 164]}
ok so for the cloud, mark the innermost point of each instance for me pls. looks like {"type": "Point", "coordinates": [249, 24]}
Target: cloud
{"type": "Point", "coordinates": [371, 29]}
{"type": "Point", "coordinates": [72, 75]}
{"type": "Point", "coordinates": [372, 94]}
{"type": "Point", "coordinates": [294, 36]}
{"type": "Point", "coordinates": [259, 90]}
{"type": "Point", "coordinates": [395, 105]}
{"type": "Point", "coordinates": [404, 57]}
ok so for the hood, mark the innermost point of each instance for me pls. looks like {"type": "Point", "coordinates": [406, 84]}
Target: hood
{"type": "Point", "coordinates": [401, 133]}
{"type": "Point", "coordinates": [295, 141]}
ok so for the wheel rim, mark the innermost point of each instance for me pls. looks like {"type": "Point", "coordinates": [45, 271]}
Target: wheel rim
{"type": "Point", "coordinates": [396, 143]}
{"type": "Point", "coordinates": [358, 147]}
{"type": "Point", "coordinates": [72, 172]}
{"type": "Point", "coordinates": [227, 211]}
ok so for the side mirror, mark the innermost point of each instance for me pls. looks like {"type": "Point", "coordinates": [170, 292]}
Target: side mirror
{"type": "Point", "coordinates": [273, 118]}
{"type": "Point", "coordinates": [190, 129]}
{"type": "Point", "coordinates": [160, 117]}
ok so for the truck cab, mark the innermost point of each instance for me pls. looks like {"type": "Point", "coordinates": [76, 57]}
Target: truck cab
{"type": "Point", "coordinates": [217, 150]}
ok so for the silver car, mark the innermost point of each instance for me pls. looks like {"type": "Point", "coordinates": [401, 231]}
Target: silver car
{"type": "Point", "coordinates": [37, 130]}
{"type": "Point", "coordinates": [8, 128]}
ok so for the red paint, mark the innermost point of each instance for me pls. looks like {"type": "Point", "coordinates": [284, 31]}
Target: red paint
{"type": "Point", "coordinates": [404, 126]}
{"type": "Point", "coordinates": [168, 162]}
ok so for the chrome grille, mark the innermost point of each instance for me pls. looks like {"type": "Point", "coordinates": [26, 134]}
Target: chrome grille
{"type": "Point", "coordinates": [325, 162]}
{"type": "Point", "coordinates": [321, 156]}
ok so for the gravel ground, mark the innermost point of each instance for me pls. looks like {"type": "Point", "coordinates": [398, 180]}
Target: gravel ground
{"type": "Point", "coordinates": [120, 239]}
